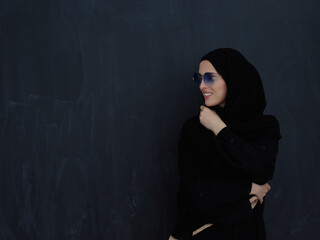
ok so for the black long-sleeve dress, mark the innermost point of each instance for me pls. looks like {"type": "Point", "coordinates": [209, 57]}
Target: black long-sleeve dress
{"type": "Point", "coordinates": [216, 175]}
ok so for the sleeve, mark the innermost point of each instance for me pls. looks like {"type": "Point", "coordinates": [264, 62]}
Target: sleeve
{"type": "Point", "coordinates": [208, 196]}
{"type": "Point", "coordinates": [256, 159]}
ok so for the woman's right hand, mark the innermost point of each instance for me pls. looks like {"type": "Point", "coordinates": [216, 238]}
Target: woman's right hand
{"type": "Point", "coordinates": [260, 190]}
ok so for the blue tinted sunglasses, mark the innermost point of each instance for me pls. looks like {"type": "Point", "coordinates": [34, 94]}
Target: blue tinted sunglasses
{"type": "Point", "coordinates": [208, 78]}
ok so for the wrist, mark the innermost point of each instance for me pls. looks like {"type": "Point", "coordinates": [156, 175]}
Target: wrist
{"type": "Point", "coordinates": [216, 128]}
{"type": "Point", "coordinates": [251, 189]}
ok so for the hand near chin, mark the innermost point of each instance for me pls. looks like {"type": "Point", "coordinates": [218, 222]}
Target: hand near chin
{"type": "Point", "coordinates": [210, 119]}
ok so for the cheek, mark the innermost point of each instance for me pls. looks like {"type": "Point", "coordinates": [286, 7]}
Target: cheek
{"type": "Point", "coordinates": [224, 91]}
{"type": "Point", "coordinates": [221, 90]}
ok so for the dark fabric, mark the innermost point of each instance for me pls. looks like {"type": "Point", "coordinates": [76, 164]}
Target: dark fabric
{"type": "Point", "coordinates": [216, 172]}
{"type": "Point", "coordinates": [250, 229]}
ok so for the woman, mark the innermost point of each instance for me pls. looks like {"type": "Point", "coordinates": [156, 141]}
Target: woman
{"type": "Point", "coordinates": [227, 153]}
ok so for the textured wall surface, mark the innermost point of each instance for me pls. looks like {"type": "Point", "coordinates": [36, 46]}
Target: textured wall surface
{"type": "Point", "coordinates": [93, 95]}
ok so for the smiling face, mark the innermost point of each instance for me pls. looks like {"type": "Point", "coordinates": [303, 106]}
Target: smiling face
{"type": "Point", "coordinates": [217, 91]}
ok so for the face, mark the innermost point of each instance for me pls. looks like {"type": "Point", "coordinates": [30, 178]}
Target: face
{"type": "Point", "coordinates": [217, 90]}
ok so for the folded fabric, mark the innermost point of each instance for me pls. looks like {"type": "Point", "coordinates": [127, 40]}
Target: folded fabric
{"type": "Point", "coordinates": [253, 200]}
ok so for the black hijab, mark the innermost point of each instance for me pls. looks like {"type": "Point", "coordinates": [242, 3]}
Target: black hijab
{"type": "Point", "coordinates": [245, 100]}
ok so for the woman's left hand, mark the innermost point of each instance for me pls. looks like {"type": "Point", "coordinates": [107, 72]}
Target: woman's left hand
{"type": "Point", "coordinates": [172, 238]}
{"type": "Point", "coordinates": [210, 119]}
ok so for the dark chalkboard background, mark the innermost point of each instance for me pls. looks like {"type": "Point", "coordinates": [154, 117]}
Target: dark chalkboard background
{"type": "Point", "coordinates": [93, 95]}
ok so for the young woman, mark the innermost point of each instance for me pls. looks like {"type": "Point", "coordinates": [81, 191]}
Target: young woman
{"type": "Point", "coordinates": [227, 153]}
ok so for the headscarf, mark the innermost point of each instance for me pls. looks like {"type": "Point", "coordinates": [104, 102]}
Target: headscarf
{"type": "Point", "coordinates": [245, 100]}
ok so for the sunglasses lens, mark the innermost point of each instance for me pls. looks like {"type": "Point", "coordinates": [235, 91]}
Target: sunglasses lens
{"type": "Point", "coordinates": [208, 78]}
{"type": "Point", "coordinates": [197, 78]}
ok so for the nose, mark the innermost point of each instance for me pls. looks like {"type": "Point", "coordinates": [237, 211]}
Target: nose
{"type": "Point", "coordinates": [202, 85]}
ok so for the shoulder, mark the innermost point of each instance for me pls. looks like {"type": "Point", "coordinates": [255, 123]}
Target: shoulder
{"type": "Point", "coordinates": [191, 121]}
{"type": "Point", "coordinates": [271, 120]}
{"type": "Point", "coordinates": [271, 125]}
{"type": "Point", "coordinates": [190, 125]}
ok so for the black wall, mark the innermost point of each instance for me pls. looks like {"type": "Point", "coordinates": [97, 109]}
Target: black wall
{"type": "Point", "coordinates": [93, 95]}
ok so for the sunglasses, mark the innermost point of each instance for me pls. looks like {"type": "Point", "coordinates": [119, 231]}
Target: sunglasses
{"type": "Point", "coordinates": [208, 78]}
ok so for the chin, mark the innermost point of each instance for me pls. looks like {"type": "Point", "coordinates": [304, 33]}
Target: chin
{"type": "Point", "coordinates": [210, 104]}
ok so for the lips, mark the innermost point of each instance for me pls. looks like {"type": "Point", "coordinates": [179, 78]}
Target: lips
{"type": "Point", "coordinates": [207, 94]}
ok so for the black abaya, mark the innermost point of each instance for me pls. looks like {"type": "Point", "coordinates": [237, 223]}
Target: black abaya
{"type": "Point", "coordinates": [216, 190]}
{"type": "Point", "coordinates": [216, 172]}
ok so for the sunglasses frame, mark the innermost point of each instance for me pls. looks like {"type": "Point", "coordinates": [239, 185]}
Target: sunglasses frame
{"type": "Point", "coordinates": [206, 77]}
